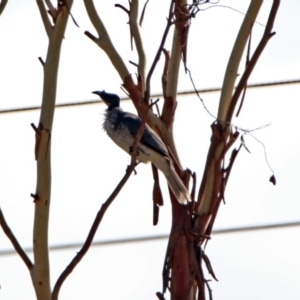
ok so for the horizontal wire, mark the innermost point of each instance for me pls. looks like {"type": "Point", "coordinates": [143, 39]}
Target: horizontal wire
{"type": "Point", "coordinates": [157, 237]}
{"type": "Point", "coordinates": [190, 92]}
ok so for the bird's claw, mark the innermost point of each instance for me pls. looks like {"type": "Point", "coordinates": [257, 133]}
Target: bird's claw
{"type": "Point", "coordinates": [134, 170]}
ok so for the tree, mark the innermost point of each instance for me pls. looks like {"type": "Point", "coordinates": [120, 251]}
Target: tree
{"type": "Point", "coordinates": [192, 224]}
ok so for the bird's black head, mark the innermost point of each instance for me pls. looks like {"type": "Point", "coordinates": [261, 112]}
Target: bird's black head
{"type": "Point", "coordinates": [111, 100]}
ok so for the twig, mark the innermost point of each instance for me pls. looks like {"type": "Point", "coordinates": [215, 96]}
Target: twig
{"type": "Point", "coordinates": [45, 17]}
{"type": "Point", "coordinates": [128, 13]}
{"type": "Point", "coordinates": [134, 28]}
{"type": "Point", "coordinates": [143, 13]}
{"type": "Point", "coordinates": [261, 46]}
{"type": "Point", "coordinates": [133, 63]}
{"type": "Point", "coordinates": [52, 9]}
{"type": "Point", "coordinates": [123, 8]}
{"type": "Point", "coordinates": [14, 241]}
{"type": "Point", "coordinates": [158, 53]}
{"type": "Point", "coordinates": [92, 232]}
{"type": "Point", "coordinates": [41, 61]}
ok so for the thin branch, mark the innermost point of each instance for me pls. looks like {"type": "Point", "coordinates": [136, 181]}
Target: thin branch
{"type": "Point", "coordinates": [103, 41]}
{"type": "Point", "coordinates": [2, 5]}
{"type": "Point", "coordinates": [101, 213]}
{"type": "Point", "coordinates": [41, 61]}
{"type": "Point", "coordinates": [92, 232]}
{"type": "Point", "coordinates": [213, 184]}
{"type": "Point", "coordinates": [212, 178]}
{"type": "Point", "coordinates": [235, 58]}
{"type": "Point", "coordinates": [143, 13]}
{"type": "Point", "coordinates": [133, 23]}
{"type": "Point", "coordinates": [247, 62]}
{"type": "Point", "coordinates": [158, 53]}
{"type": "Point", "coordinates": [123, 8]}
{"type": "Point", "coordinates": [261, 46]}
{"type": "Point", "coordinates": [14, 241]}
{"type": "Point", "coordinates": [52, 10]}
{"type": "Point", "coordinates": [45, 17]}
{"type": "Point", "coordinates": [180, 37]}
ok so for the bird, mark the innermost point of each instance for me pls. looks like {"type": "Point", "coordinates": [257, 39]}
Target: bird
{"type": "Point", "coordinates": [122, 128]}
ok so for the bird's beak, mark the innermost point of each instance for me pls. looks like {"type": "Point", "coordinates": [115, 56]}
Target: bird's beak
{"type": "Point", "coordinates": [96, 92]}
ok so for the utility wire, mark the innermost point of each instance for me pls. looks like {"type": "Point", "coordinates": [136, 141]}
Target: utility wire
{"type": "Point", "coordinates": [190, 92]}
{"type": "Point", "coordinates": [158, 237]}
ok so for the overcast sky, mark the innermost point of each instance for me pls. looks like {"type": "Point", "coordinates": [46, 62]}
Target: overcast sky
{"type": "Point", "coordinates": [87, 165]}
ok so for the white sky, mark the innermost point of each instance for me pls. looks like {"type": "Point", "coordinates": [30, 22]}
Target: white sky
{"type": "Point", "coordinates": [87, 165]}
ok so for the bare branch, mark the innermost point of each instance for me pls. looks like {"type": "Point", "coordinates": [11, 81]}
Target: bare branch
{"type": "Point", "coordinates": [41, 61]}
{"type": "Point", "coordinates": [14, 241]}
{"type": "Point", "coordinates": [92, 232]}
{"type": "Point", "coordinates": [143, 13]}
{"type": "Point", "coordinates": [40, 272]}
{"type": "Point", "coordinates": [158, 53]}
{"type": "Point", "coordinates": [2, 5]}
{"type": "Point", "coordinates": [261, 46]}
{"type": "Point", "coordinates": [101, 214]}
{"type": "Point", "coordinates": [179, 39]}
{"type": "Point", "coordinates": [235, 58]}
{"type": "Point", "coordinates": [52, 10]}
{"type": "Point", "coordinates": [212, 177]}
{"type": "Point", "coordinates": [45, 17]}
{"type": "Point", "coordinates": [104, 41]}
{"type": "Point", "coordinates": [123, 8]}
{"type": "Point", "coordinates": [170, 104]}
{"type": "Point", "coordinates": [133, 22]}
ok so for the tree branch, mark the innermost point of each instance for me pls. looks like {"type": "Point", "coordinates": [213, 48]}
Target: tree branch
{"type": "Point", "coordinates": [14, 241]}
{"type": "Point", "coordinates": [260, 48]}
{"type": "Point", "coordinates": [40, 272]}
{"type": "Point", "coordinates": [101, 213]}
{"type": "Point", "coordinates": [133, 23]}
{"type": "Point", "coordinates": [170, 104]}
{"type": "Point", "coordinates": [235, 58]}
{"type": "Point", "coordinates": [45, 17]}
{"type": "Point", "coordinates": [2, 5]}
{"type": "Point", "coordinates": [52, 10]}
{"type": "Point", "coordinates": [212, 176]}
{"type": "Point", "coordinates": [158, 53]}
{"type": "Point", "coordinates": [104, 41]}
{"type": "Point", "coordinates": [92, 232]}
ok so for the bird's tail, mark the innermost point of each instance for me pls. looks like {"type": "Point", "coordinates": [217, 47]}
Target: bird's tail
{"type": "Point", "coordinates": [175, 183]}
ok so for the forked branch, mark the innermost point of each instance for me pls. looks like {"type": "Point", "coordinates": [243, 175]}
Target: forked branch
{"type": "Point", "coordinates": [235, 58]}
{"type": "Point", "coordinates": [268, 34]}
{"type": "Point", "coordinates": [15, 242]}
{"type": "Point", "coordinates": [103, 40]}
{"type": "Point", "coordinates": [215, 175]}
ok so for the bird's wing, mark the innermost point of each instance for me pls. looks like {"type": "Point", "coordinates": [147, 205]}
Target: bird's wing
{"type": "Point", "coordinates": [149, 137]}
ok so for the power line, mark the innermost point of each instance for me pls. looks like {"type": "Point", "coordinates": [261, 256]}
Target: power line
{"type": "Point", "coordinates": [158, 237]}
{"type": "Point", "coordinates": [190, 92]}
